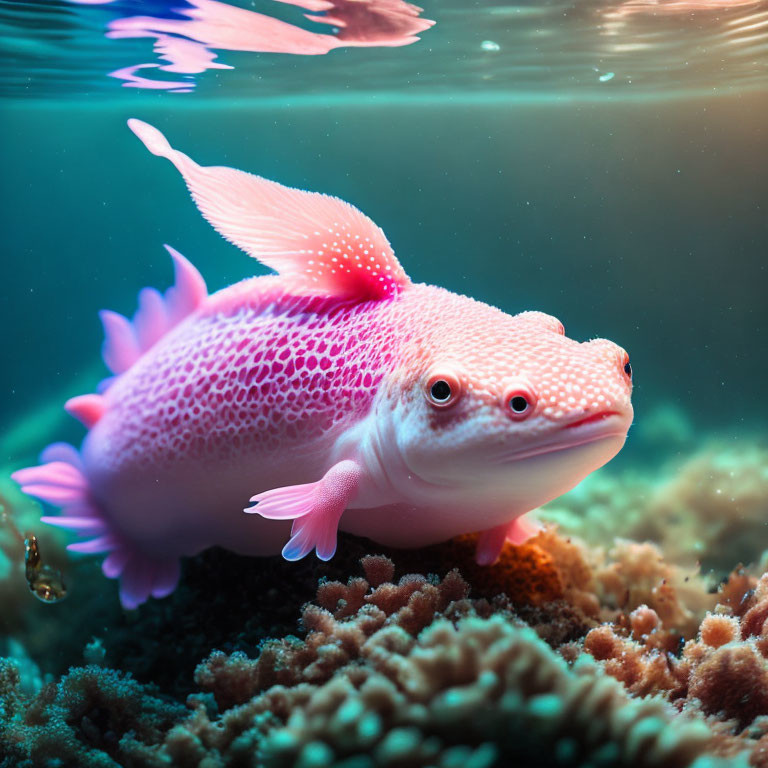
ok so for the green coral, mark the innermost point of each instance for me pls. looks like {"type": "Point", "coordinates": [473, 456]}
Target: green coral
{"type": "Point", "coordinates": [479, 691]}
{"type": "Point", "coordinates": [86, 720]}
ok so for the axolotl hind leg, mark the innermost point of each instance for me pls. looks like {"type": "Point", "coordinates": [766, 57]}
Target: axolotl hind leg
{"type": "Point", "coordinates": [60, 481]}
{"type": "Point", "coordinates": [492, 541]}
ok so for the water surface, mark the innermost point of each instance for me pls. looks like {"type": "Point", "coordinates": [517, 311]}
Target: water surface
{"type": "Point", "coordinates": [341, 49]}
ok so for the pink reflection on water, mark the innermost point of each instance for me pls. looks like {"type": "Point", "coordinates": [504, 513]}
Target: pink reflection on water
{"type": "Point", "coordinates": [133, 80]}
{"type": "Point", "coordinates": [371, 22]}
{"type": "Point", "coordinates": [186, 56]}
{"type": "Point", "coordinates": [187, 44]}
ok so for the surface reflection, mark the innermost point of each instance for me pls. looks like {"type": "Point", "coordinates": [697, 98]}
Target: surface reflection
{"type": "Point", "coordinates": [531, 49]}
{"type": "Point", "coordinates": [639, 26]}
{"type": "Point", "coordinates": [186, 41]}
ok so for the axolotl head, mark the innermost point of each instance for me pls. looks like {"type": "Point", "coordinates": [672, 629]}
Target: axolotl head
{"type": "Point", "coordinates": [502, 413]}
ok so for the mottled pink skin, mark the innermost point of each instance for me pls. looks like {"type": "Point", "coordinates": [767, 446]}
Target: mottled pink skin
{"type": "Point", "coordinates": [209, 416]}
{"type": "Point", "coordinates": [254, 390]}
{"type": "Point", "coordinates": [310, 394]}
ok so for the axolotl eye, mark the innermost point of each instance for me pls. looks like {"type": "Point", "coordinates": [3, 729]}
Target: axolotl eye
{"type": "Point", "coordinates": [519, 399]}
{"type": "Point", "coordinates": [442, 389]}
{"type": "Point", "coordinates": [626, 366]}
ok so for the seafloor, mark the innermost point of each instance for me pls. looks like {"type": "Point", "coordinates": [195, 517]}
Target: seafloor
{"type": "Point", "coordinates": [630, 632]}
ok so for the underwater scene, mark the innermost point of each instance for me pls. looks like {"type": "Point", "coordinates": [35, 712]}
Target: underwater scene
{"type": "Point", "coordinates": [383, 385]}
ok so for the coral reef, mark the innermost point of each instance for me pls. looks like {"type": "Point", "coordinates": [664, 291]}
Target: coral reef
{"type": "Point", "coordinates": [389, 674]}
{"type": "Point", "coordinates": [609, 648]}
{"type": "Point", "coordinates": [723, 671]}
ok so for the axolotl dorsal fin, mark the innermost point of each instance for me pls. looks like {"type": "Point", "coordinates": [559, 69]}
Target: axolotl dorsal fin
{"type": "Point", "coordinates": [126, 340]}
{"type": "Point", "coordinates": [317, 242]}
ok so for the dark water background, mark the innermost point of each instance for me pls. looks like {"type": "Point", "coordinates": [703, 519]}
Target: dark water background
{"type": "Point", "coordinates": [641, 218]}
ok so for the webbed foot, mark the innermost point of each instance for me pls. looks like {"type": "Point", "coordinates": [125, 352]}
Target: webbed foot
{"type": "Point", "coordinates": [315, 508]}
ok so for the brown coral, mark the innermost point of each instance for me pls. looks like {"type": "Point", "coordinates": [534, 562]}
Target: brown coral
{"type": "Point", "coordinates": [481, 691]}
{"type": "Point", "coordinates": [372, 622]}
{"type": "Point", "coordinates": [638, 574]}
{"type": "Point", "coordinates": [418, 672]}
{"type": "Point", "coordinates": [643, 671]}
{"type": "Point", "coordinates": [732, 683]}
{"type": "Point", "coordinates": [337, 628]}
{"type": "Point", "coordinates": [722, 673]}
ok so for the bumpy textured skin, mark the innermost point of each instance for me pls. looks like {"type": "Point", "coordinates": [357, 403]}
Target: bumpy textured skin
{"type": "Point", "coordinates": [272, 372]}
{"type": "Point", "coordinates": [272, 382]}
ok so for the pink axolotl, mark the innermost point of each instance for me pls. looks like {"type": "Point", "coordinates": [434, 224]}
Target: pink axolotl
{"type": "Point", "coordinates": [336, 394]}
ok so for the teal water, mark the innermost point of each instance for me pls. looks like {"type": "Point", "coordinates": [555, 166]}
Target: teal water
{"type": "Point", "coordinates": [643, 223]}
{"type": "Point", "coordinates": [604, 161]}
{"type": "Point", "coordinates": [541, 50]}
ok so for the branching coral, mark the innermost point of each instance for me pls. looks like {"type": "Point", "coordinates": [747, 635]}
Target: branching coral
{"type": "Point", "coordinates": [560, 653]}
{"type": "Point", "coordinates": [480, 692]}
{"type": "Point", "coordinates": [338, 627]}
{"type": "Point", "coordinates": [389, 674]}
{"type": "Point", "coordinates": [479, 682]}
{"type": "Point", "coordinates": [723, 673]}
{"type": "Point", "coordinates": [82, 720]}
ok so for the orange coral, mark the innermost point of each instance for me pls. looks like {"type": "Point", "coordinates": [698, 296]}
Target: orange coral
{"type": "Point", "coordinates": [717, 630]}
{"type": "Point", "coordinates": [527, 574]}
{"type": "Point", "coordinates": [546, 568]}
{"type": "Point", "coordinates": [643, 671]}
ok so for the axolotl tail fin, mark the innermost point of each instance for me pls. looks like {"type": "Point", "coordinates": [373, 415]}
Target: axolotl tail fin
{"type": "Point", "coordinates": [61, 480]}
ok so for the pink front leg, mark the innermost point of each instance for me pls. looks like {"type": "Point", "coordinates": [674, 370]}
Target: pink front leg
{"type": "Point", "coordinates": [315, 508]}
{"type": "Point", "coordinates": [491, 542]}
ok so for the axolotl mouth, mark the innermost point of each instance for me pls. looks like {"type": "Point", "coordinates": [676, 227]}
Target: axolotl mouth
{"type": "Point", "coordinates": [592, 419]}
{"type": "Point", "coordinates": [589, 429]}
